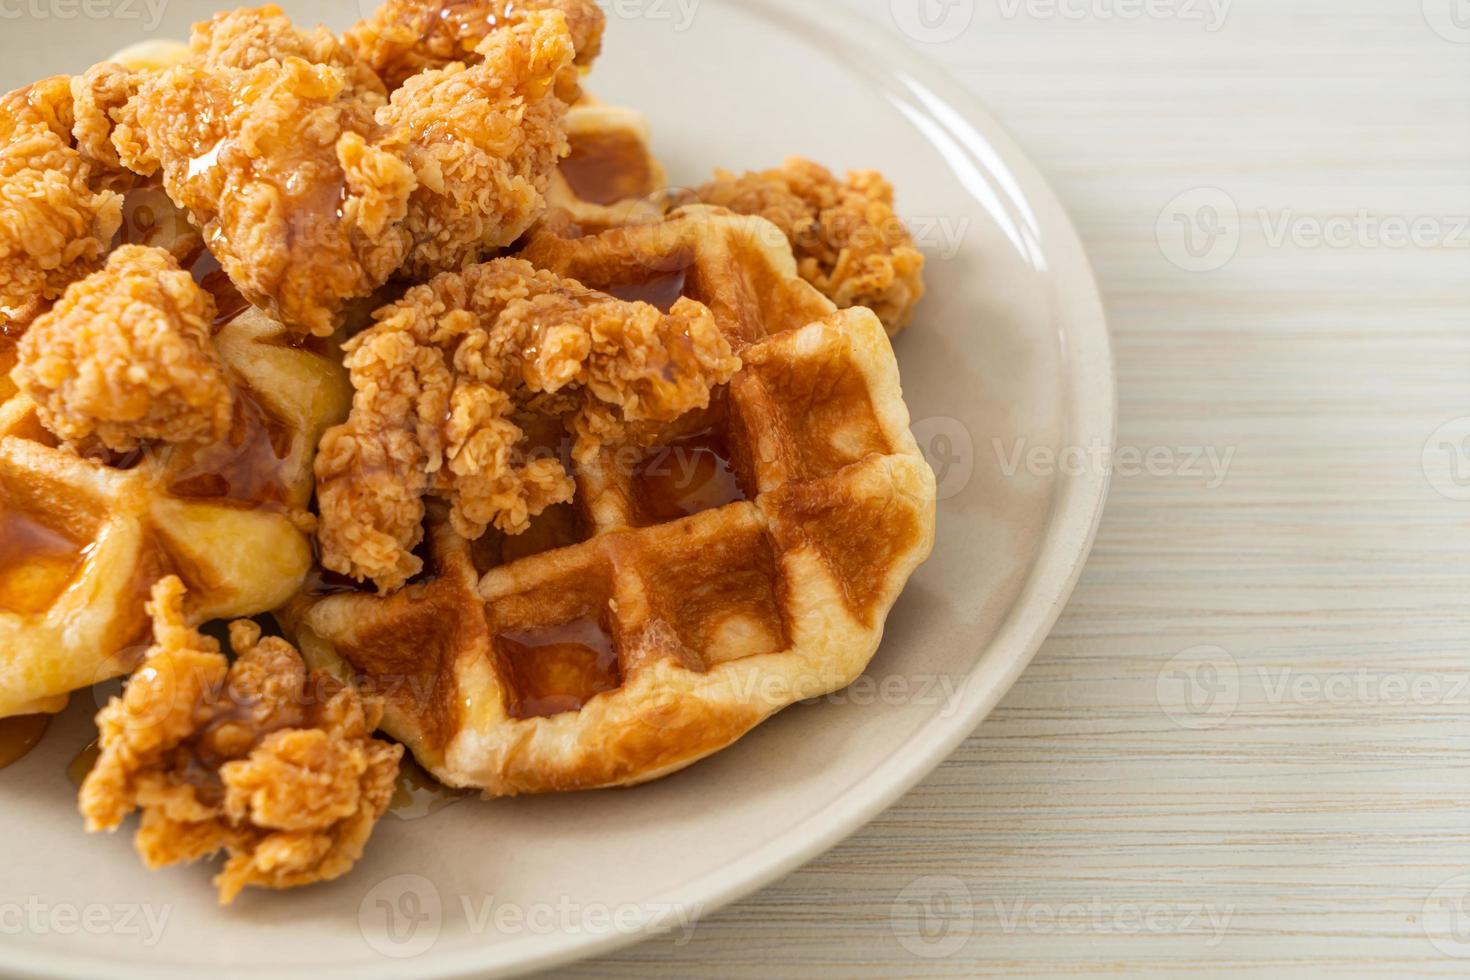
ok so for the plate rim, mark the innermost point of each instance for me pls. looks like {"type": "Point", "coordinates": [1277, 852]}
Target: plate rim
{"type": "Point", "coordinates": [1076, 514]}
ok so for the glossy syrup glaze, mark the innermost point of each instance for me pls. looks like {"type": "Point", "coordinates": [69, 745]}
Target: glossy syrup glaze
{"type": "Point", "coordinates": [19, 735]}
{"type": "Point", "coordinates": [662, 290]}
{"type": "Point", "coordinates": [684, 477]}
{"type": "Point", "coordinates": [212, 278]}
{"type": "Point", "coordinates": [556, 527]}
{"type": "Point", "coordinates": [81, 764]}
{"type": "Point", "coordinates": [416, 794]}
{"type": "Point", "coordinates": [559, 668]}
{"type": "Point", "coordinates": [322, 582]}
{"type": "Point", "coordinates": [246, 467]}
{"type": "Point", "coordinates": [37, 562]}
{"type": "Point", "coordinates": [605, 168]}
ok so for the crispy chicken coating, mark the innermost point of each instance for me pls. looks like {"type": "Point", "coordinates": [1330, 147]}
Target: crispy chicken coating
{"type": "Point", "coordinates": [274, 765]}
{"type": "Point", "coordinates": [849, 243]}
{"type": "Point", "coordinates": [125, 356]}
{"type": "Point", "coordinates": [312, 192]}
{"type": "Point", "coordinates": [57, 219]}
{"type": "Point", "coordinates": [276, 165]}
{"type": "Point", "coordinates": [61, 183]}
{"type": "Point", "coordinates": [98, 96]}
{"type": "Point", "coordinates": [405, 37]}
{"type": "Point", "coordinates": [243, 39]}
{"type": "Point", "coordinates": [445, 377]}
{"type": "Point", "coordinates": [483, 143]}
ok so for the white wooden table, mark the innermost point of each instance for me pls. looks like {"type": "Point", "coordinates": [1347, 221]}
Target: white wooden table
{"type": "Point", "coordinates": [1315, 815]}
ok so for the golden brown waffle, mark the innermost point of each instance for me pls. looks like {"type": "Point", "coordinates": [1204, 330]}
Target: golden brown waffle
{"type": "Point", "coordinates": [611, 177]}
{"type": "Point", "coordinates": [83, 540]}
{"type": "Point", "coordinates": [746, 562]}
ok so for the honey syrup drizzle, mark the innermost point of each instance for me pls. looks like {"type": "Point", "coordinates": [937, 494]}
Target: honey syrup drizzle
{"type": "Point", "coordinates": [605, 168]}
{"type": "Point", "coordinates": [151, 218]}
{"type": "Point", "coordinates": [81, 764]}
{"type": "Point", "coordinates": [416, 794]}
{"type": "Point", "coordinates": [556, 527]}
{"type": "Point", "coordinates": [322, 582]}
{"type": "Point", "coordinates": [661, 291]}
{"type": "Point", "coordinates": [37, 562]}
{"type": "Point", "coordinates": [247, 466]}
{"type": "Point", "coordinates": [560, 668]}
{"type": "Point", "coordinates": [463, 22]}
{"type": "Point", "coordinates": [229, 302]}
{"type": "Point", "coordinates": [19, 735]}
{"type": "Point", "coordinates": [688, 475]}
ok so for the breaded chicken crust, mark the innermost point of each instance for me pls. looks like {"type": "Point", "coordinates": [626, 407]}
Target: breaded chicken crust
{"type": "Point", "coordinates": [312, 192]}
{"type": "Point", "coordinates": [848, 241]}
{"type": "Point", "coordinates": [446, 375]}
{"type": "Point", "coordinates": [57, 217]}
{"type": "Point", "coordinates": [125, 357]}
{"type": "Point", "coordinates": [405, 37]}
{"type": "Point", "coordinates": [274, 765]}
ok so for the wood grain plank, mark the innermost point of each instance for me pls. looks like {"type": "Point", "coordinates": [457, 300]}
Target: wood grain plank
{"type": "Point", "coordinates": [1083, 830]}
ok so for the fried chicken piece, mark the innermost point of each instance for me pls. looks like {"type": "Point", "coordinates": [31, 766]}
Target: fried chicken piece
{"type": "Point", "coordinates": [848, 241]}
{"type": "Point", "coordinates": [309, 201]}
{"type": "Point", "coordinates": [447, 373]}
{"type": "Point", "coordinates": [261, 759]}
{"type": "Point", "coordinates": [60, 181]}
{"type": "Point", "coordinates": [57, 220]}
{"type": "Point", "coordinates": [98, 96]}
{"type": "Point", "coordinates": [243, 39]}
{"type": "Point", "coordinates": [405, 37]}
{"type": "Point", "coordinates": [60, 184]}
{"type": "Point", "coordinates": [483, 143]}
{"type": "Point", "coordinates": [125, 356]}
{"type": "Point", "coordinates": [278, 166]}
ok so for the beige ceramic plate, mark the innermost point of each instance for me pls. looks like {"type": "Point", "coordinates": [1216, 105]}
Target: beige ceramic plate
{"type": "Point", "coordinates": [1008, 361]}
